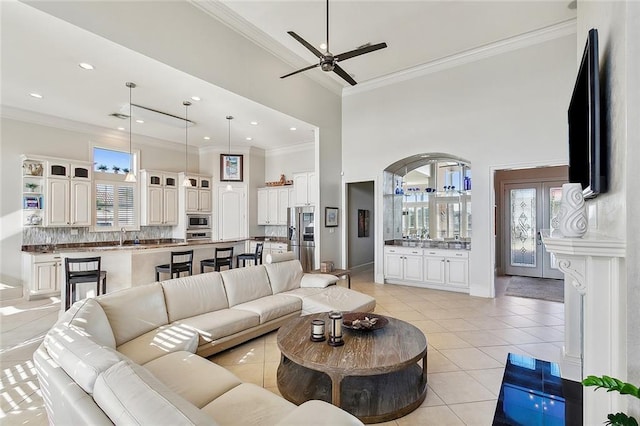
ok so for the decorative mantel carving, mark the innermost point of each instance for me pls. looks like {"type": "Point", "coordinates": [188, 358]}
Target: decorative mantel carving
{"type": "Point", "coordinates": [574, 268]}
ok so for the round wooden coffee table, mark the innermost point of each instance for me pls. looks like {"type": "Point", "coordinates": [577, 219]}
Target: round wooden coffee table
{"type": "Point", "coordinates": [376, 375]}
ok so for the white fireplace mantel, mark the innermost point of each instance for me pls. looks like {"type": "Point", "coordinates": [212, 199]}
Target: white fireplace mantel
{"type": "Point", "coordinates": [595, 314]}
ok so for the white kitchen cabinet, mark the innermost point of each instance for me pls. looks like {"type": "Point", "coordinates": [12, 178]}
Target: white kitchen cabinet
{"type": "Point", "coordinates": [403, 263]}
{"type": "Point", "coordinates": [198, 195]}
{"type": "Point", "coordinates": [268, 247]}
{"type": "Point", "coordinates": [432, 268]}
{"type": "Point", "coordinates": [43, 275]}
{"type": "Point", "coordinates": [272, 206]}
{"type": "Point", "coordinates": [306, 189]}
{"type": "Point", "coordinates": [231, 213]}
{"type": "Point", "coordinates": [447, 267]}
{"type": "Point", "coordinates": [159, 201]}
{"type": "Point", "coordinates": [67, 200]}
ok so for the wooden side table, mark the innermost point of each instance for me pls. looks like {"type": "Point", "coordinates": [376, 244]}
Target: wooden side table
{"type": "Point", "coordinates": [340, 273]}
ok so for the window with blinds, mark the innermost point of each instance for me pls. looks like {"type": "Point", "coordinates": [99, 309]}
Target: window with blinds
{"type": "Point", "coordinates": [115, 206]}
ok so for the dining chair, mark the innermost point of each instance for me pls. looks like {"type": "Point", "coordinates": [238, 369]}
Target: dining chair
{"type": "Point", "coordinates": [223, 257]}
{"type": "Point", "coordinates": [83, 270]}
{"type": "Point", "coordinates": [256, 257]}
{"type": "Point", "coordinates": [181, 261]}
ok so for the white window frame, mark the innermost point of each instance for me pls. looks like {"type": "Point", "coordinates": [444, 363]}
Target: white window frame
{"type": "Point", "coordinates": [117, 180]}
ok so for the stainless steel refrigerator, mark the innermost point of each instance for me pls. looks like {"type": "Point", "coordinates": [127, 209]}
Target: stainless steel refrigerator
{"type": "Point", "coordinates": [301, 232]}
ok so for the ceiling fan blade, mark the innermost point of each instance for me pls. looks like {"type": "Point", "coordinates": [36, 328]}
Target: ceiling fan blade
{"type": "Point", "coordinates": [305, 44]}
{"type": "Point", "coordinates": [342, 73]}
{"type": "Point", "coordinates": [360, 51]}
{"type": "Point", "coordinates": [301, 70]}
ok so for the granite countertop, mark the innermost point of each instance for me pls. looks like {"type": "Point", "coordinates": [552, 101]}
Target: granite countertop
{"type": "Point", "coordinates": [433, 244]}
{"type": "Point", "coordinates": [270, 239]}
{"type": "Point", "coordinates": [114, 245]}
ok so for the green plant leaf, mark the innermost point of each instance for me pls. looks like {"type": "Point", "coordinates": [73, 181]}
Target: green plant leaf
{"type": "Point", "coordinates": [621, 419]}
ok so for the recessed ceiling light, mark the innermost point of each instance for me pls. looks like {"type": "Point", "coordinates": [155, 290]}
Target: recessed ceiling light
{"type": "Point", "coordinates": [120, 128]}
{"type": "Point", "coordinates": [292, 128]}
{"type": "Point", "coordinates": [140, 121]}
{"type": "Point", "coordinates": [36, 95]}
{"type": "Point", "coordinates": [206, 138]}
{"type": "Point", "coordinates": [249, 138]}
{"type": "Point", "coordinates": [85, 66]}
{"type": "Point", "coordinates": [195, 98]}
{"type": "Point", "coordinates": [254, 123]}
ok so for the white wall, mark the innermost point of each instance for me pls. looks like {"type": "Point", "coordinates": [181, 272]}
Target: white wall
{"type": "Point", "coordinates": [180, 35]}
{"type": "Point", "coordinates": [617, 211]}
{"type": "Point", "coordinates": [74, 143]}
{"type": "Point", "coordinates": [361, 250]}
{"type": "Point", "coordinates": [508, 109]}
{"type": "Point", "coordinates": [299, 158]}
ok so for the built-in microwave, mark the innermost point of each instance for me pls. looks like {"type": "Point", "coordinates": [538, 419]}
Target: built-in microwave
{"type": "Point", "coordinates": [198, 221]}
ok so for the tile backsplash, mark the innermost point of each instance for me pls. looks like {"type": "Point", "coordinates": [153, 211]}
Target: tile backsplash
{"type": "Point", "coordinates": [42, 235]}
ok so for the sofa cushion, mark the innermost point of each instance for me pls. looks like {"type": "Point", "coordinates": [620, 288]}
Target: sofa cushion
{"type": "Point", "coordinates": [80, 357]}
{"type": "Point", "coordinates": [134, 311]}
{"type": "Point", "coordinates": [194, 295]}
{"type": "Point", "coordinates": [161, 341]}
{"type": "Point", "coordinates": [251, 403]}
{"type": "Point", "coordinates": [317, 412]}
{"type": "Point", "coordinates": [246, 284]}
{"type": "Point", "coordinates": [194, 378]}
{"type": "Point", "coordinates": [272, 307]}
{"type": "Point", "coordinates": [284, 276]}
{"type": "Point", "coordinates": [219, 324]}
{"type": "Point", "coordinates": [280, 257]}
{"type": "Point", "coordinates": [89, 317]}
{"type": "Point", "coordinates": [129, 394]}
{"type": "Point", "coordinates": [318, 280]}
{"type": "Point", "coordinates": [336, 298]}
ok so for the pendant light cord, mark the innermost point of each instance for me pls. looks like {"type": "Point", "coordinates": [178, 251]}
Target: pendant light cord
{"type": "Point", "coordinates": [186, 138]}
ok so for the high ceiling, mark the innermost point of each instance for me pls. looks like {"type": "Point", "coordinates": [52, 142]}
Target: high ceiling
{"type": "Point", "coordinates": [41, 53]}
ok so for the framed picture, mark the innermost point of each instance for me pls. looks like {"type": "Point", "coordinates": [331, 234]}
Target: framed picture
{"type": "Point", "coordinates": [363, 223]}
{"type": "Point", "coordinates": [330, 217]}
{"type": "Point", "coordinates": [231, 167]}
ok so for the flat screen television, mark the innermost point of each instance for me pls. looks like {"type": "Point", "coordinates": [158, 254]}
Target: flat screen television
{"type": "Point", "coordinates": [588, 159]}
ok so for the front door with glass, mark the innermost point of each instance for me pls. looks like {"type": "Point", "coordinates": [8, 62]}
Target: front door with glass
{"type": "Point", "coordinates": [530, 207]}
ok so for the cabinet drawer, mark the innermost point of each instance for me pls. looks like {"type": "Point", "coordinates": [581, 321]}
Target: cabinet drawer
{"type": "Point", "coordinates": [403, 250]}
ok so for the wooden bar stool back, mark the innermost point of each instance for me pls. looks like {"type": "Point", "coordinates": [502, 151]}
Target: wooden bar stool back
{"type": "Point", "coordinates": [181, 261]}
{"type": "Point", "coordinates": [255, 257]}
{"type": "Point", "coordinates": [223, 257]}
{"type": "Point", "coordinates": [83, 270]}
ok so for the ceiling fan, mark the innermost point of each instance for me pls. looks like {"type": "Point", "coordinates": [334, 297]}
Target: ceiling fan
{"type": "Point", "coordinates": [328, 61]}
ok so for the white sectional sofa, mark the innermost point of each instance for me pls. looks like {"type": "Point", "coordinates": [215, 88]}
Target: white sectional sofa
{"type": "Point", "coordinates": [136, 356]}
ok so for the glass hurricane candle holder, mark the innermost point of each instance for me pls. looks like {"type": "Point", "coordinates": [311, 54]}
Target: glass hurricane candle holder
{"type": "Point", "coordinates": [335, 331]}
{"type": "Point", "coordinates": [317, 330]}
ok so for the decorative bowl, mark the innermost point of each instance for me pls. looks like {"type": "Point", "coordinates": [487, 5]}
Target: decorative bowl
{"type": "Point", "coordinates": [363, 321]}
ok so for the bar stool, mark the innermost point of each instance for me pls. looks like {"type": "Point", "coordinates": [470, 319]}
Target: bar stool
{"type": "Point", "coordinates": [83, 270]}
{"type": "Point", "coordinates": [224, 257]}
{"type": "Point", "coordinates": [178, 264]}
{"type": "Point", "coordinates": [256, 257]}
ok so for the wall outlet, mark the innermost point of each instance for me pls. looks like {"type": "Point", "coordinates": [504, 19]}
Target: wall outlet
{"type": "Point", "coordinates": [331, 230]}
{"type": "Point", "coordinates": [592, 215]}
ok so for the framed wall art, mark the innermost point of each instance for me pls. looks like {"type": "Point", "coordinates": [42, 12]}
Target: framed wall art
{"type": "Point", "coordinates": [231, 167]}
{"type": "Point", "coordinates": [330, 217]}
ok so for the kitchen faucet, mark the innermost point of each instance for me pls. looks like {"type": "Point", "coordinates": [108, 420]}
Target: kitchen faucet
{"type": "Point", "coordinates": [123, 235]}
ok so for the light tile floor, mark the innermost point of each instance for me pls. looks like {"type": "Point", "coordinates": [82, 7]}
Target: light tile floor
{"type": "Point", "coordinates": [469, 339]}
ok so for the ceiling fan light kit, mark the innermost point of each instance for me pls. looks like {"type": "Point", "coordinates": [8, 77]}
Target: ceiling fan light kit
{"type": "Point", "coordinates": [329, 62]}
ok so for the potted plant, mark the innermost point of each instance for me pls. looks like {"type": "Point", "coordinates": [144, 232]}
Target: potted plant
{"type": "Point", "coordinates": [31, 186]}
{"type": "Point", "coordinates": [103, 168]}
{"type": "Point", "coordinates": [115, 169]}
{"type": "Point", "coordinates": [613, 384]}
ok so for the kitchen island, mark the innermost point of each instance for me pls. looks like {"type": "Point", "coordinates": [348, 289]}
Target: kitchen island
{"type": "Point", "coordinates": [127, 265]}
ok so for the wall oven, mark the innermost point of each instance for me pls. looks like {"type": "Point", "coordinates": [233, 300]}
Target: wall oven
{"type": "Point", "coordinates": [198, 221]}
{"type": "Point", "coordinates": [202, 234]}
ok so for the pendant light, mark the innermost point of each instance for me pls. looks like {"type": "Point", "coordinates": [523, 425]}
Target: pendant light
{"type": "Point", "coordinates": [186, 181]}
{"type": "Point", "coordinates": [229, 118]}
{"type": "Point", "coordinates": [131, 176]}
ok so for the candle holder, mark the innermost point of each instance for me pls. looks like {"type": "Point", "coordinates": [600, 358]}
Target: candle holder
{"type": "Point", "coordinates": [317, 330]}
{"type": "Point", "coordinates": [335, 330]}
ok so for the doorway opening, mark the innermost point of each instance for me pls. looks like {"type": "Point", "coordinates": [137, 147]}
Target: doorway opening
{"type": "Point", "coordinates": [527, 201]}
{"type": "Point", "coordinates": [359, 222]}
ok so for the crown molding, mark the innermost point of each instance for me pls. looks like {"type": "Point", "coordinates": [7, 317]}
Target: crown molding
{"type": "Point", "coordinates": [530, 38]}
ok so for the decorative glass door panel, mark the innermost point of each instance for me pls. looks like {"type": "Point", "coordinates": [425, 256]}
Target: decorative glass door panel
{"type": "Point", "coordinates": [531, 207]}
{"type": "Point", "coordinates": [523, 223]}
